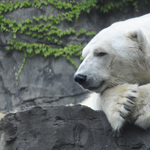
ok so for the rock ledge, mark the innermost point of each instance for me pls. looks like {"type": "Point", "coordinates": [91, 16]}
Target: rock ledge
{"type": "Point", "coordinates": [67, 128]}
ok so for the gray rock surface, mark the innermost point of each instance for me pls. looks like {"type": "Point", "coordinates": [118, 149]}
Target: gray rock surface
{"type": "Point", "coordinates": [67, 128]}
{"type": "Point", "coordinates": [43, 81]}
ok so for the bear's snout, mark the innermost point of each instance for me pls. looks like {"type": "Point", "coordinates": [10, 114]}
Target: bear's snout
{"type": "Point", "coordinates": [81, 79]}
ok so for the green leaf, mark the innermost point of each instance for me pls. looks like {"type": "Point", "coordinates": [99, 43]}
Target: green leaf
{"type": "Point", "coordinates": [8, 47]}
{"type": "Point", "coordinates": [45, 19]}
{"type": "Point", "coordinates": [38, 50]}
{"type": "Point", "coordinates": [29, 50]}
{"type": "Point", "coordinates": [21, 5]}
{"type": "Point", "coordinates": [36, 19]}
{"type": "Point", "coordinates": [44, 49]}
{"type": "Point", "coordinates": [41, 17]}
{"type": "Point", "coordinates": [14, 36]}
{"type": "Point", "coordinates": [34, 35]}
{"type": "Point", "coordinates": [28, 33]}
{"type": "Point", "coordinates": [39, 36]}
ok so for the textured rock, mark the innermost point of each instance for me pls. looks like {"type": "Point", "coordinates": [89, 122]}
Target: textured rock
{"type": "Point", "coordinates": [42, 81]}
{"type": "Point", "coordinates": [67, 128]}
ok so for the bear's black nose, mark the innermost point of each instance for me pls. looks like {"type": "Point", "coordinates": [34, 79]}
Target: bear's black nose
{"type": "Point", "coordinates": [81, 79]}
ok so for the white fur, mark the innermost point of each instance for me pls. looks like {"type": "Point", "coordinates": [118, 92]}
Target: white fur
{"type": "Point", "coordinates": [122, 75]}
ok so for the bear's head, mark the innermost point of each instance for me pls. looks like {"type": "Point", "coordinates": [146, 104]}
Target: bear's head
{"type": "Point", "coordinates": [115, 56]}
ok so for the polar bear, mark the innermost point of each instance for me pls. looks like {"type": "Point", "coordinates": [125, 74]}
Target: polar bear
{"type": "Point", "coordinates": [116, 67]}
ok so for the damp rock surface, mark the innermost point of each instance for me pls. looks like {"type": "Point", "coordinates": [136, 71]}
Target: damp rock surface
{"type": "Point", "coordinates": [67, 128]}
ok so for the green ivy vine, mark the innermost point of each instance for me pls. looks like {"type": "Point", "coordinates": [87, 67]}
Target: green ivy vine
{"type": "Point", "coordinates": [47, 31]}
{"type": "Point", "coordinates": [46, 28]}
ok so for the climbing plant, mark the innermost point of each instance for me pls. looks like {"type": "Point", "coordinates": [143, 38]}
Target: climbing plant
{"type": "Point", "coordinates": [46, 27]}
{"type": "Point", "coordinates": [47, 30]}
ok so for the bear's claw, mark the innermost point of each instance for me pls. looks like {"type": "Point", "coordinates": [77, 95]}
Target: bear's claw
{"type": "Point", "coordinates": [134, 91]}
{"type": "Point", "coordinates": [132, 96]}
{"type": "Point", "coordinates": [131, 102]}
{"type": "Point", "coordinates": [126, 108]}
{"type": "Point", "coordinates": [122, 116]}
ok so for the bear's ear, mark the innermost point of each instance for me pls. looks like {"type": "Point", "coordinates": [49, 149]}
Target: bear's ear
{"type": "Point", "coordinates": [138, 36]}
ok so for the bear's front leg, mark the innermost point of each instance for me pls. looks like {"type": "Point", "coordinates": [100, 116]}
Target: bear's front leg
{"type": "Point", "coordinates": [118, 103]}
{"type": "Point", "coordinates": [141, 113]}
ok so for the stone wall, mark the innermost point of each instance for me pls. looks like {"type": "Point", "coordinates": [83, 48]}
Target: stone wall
{"type": "Point", "coordinates": [67, 128]}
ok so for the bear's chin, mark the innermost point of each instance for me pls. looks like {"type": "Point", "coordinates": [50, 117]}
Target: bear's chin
{"type": "Point", "coordinates": [97, 89]}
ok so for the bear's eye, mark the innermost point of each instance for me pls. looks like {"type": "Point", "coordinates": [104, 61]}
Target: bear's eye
{"type": "Point", "coordinates": [100, 54]}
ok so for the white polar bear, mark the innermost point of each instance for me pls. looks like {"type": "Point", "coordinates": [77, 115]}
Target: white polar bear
{"type": "Point", "coordinates": [116, 66]}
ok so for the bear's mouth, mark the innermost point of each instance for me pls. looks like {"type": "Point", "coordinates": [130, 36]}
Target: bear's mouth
{"type": "Point", "coordinates": [97, 88]}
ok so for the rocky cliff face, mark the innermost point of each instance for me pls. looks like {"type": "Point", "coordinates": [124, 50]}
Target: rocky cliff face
{"type": "Point", "coordinates": [46, 83]}
{"type": "Point", "coordinates": [67, 128]}
{"type": "Point", "coordinates": [43, 81]}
